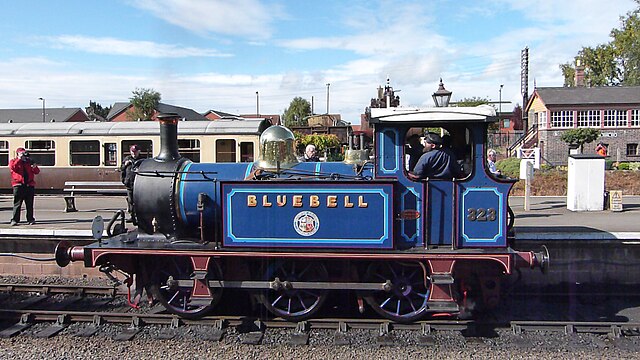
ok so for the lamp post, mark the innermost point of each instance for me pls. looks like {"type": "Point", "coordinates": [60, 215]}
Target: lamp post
{"type": "Point", "coordinates": [42, 108]}
{"type": "Point", "coordinates": [328, 84]}
{"type": "Point", "coordinates": [500, 102]}
{"type": "Point", "coordinates": [257, 105]}
{"type": "Point", "coordinates": [442, 96]}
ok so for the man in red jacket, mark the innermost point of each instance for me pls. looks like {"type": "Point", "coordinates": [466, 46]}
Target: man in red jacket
{"type": "Point", "coordinates": [23, 173]}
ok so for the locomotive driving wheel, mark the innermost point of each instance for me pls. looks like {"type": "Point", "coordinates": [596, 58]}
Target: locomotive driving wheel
{"type": "Point", "coordinates": [406, 299]}
{"type": "Point", "coordinates": [284, 300]}
{"type": "Point", "coordinates": [174, 284]}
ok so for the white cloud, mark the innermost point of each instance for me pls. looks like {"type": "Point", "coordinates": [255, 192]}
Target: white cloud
{"type": "Point", "coordinates": [112, 46]}
{"type": "Point", "coordinates": [245, 18]}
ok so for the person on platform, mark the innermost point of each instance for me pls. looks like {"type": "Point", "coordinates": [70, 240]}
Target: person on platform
{"type": "Point", "coordinates": [310, 154]}
{"type": "Point", "coordinates": [436, 162]}
{"type": "Point", "coordinates": [414, 151]}
{"type": "Point", "coordinates": [601, 149]}
{"type": "Point", "coordinates": [491, 162]}
{"type": "Point", "coordinates": [128, 175]}
{"type": "Point", "coordinates": [23, 173]}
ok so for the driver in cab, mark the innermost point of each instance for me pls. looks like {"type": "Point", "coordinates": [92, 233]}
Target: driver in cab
{"type": "Point", "coordinates": [437, 161]}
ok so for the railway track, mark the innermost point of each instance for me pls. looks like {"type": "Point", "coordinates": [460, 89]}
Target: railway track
{"type": "Point", "coordinates": [55, 308]}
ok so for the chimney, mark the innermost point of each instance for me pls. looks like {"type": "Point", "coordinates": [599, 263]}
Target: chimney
{"type": "Point", "coordinates": [579, 77]}
{"type": "Point", "coordinates": [168, 137]}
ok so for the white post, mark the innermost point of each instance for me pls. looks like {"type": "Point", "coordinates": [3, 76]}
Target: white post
{"type": "Point", "coordinates": [526, 173]}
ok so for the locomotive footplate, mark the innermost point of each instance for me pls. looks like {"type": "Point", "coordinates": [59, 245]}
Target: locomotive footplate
{"type": "Point", "coordinates": [92, 254]}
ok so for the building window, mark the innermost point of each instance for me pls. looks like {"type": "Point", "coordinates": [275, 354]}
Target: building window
{"type": "Point", "coordinates": [189, 148]}
{"type": "Point", "coordinates": [635, 117]}
{"type": "Point", "coordinates": [225, 150]}
{"type": "Point", "coordinates": [84, 153]}
{"type": "Point", "coordinates": [145, 146]}
{"type": "Point", "coordinates": [562, 119]}
{"type": "Point", "coordinates": [111, 154]}
{"type": "Point", "coordinates": [632, 149]}
{"type": "Point", "coordinates": [589, 118]}
{"type": "Point", "coordinates": [615, 118]}
{"type": "Point", "coordinates": [542, 120]}
{"type": "Point", "coordinates": [246, 152]}
{"type": "Point", "coordinates": [4, 153]}
{"type": "Point", "coordinates": [42, 152]}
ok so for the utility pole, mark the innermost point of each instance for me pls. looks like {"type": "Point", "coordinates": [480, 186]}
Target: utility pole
{"type": "Point", "coordinates": [328, 98]}
{"type": "Point", "coordinates": [500, 103]}
{"type": "Point", "coordinates": [257, 105]}
{"type": "Point", "coordinates": [43, 109]}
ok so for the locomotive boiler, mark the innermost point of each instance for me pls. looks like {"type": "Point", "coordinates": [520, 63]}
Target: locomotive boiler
{"type": "Point", "coordinates": [290, 232]}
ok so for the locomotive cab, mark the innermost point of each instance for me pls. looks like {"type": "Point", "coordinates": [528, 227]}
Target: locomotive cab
{"type": "Point", "coordinates": [473, 203]}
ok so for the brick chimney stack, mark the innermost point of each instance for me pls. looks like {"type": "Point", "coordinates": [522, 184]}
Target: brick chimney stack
{"type": "Point", "coordinates": [579, 77]}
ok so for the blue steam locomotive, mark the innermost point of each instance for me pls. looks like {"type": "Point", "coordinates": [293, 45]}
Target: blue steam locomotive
{"type": "Point", "coordinates": [292, 232]}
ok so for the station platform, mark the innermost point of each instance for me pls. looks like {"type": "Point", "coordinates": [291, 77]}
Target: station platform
{"type": "Point", "coordinates": [548, 218]}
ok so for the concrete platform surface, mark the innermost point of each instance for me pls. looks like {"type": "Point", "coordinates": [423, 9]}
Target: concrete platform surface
{"type": "Point", "coordinates": [548, 218]}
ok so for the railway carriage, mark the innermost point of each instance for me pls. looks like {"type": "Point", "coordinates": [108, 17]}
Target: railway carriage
{"type": "Point", "coordinates": [93, 151]}
{"type": "Point", "coordinates": [290, 233]}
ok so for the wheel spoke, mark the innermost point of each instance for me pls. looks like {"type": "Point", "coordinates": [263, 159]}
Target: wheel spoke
{"type": "Point", "coordinates": [304, 271]}
{"type": "Point", "coordinates": [302, 302]}
{"type": "Point", "coordinates": [276, 301]}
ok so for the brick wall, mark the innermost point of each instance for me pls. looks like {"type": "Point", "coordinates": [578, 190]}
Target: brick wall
{"type": "Point", "coordinates": [17, 266]}
{"type": "Point", "coordinates": [555, 151]}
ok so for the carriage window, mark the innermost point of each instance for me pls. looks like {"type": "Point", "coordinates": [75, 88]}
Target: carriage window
{"type": "Point", "coordinates": [43, 152]}
{"type": "Point", "coordinates": [225, 150]}
{"type": "Point", "coordinates": [110, 154]}
{"type": "Point", "coordinates": [4, 153]}
{"type": "Point", "coordinates": [246, 152]}
{"type": "Point", "coordinates": [454, 140]}
{"type": "Point", "coordinates": [84, 153]}
{"type": "Point", "coordinates": [146, 148]}
{"type": "Point", "coordinates": [189, 148]}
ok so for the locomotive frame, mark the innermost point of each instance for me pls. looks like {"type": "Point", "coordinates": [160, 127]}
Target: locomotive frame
{"type": "Point", "coordinates": [292, 232]}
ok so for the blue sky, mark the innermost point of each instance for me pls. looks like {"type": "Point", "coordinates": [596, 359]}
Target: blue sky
{"type": "Point", "coordinates": [215, 54]}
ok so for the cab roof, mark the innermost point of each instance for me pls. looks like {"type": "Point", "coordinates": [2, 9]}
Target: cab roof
{"type": "Point", "coordinates": [393, 115]}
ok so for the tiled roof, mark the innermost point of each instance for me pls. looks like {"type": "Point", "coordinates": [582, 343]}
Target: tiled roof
{"type": "Point", "coordinates": [35, 115]}
{"type": "Point", "coordinates": [187, 114]}
{"type": "Point", "coordinates": [219, 113]}
{"type": "Point", "coordinates": [619, 95]}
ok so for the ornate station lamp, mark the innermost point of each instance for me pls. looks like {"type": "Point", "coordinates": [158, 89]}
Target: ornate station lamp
{"type": "Point", "coordinates": [442, 96]}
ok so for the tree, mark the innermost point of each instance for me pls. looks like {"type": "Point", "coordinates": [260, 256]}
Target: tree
{"type": "Point", "coordinates": [298, 109]}
{"type": "Point", "coordinates": [96, 112]}
{"type": "Point", "coordinates": [144, 102]}
{"type": "Point", "coordinates": [579, 137]}
{"type": "Point", "coordinates": [627, 41]}
{"type": "Point", "coordinates": [473, 101]}
{"type": "Point", "coordinates": [613, 63]}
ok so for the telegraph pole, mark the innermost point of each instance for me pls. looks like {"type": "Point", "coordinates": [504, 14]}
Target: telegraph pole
{"type": "Point", "coordinates": [328, 98]}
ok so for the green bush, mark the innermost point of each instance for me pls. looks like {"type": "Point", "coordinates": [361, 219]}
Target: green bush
{"type": "Point", "coordinates": [509, 167]}
{"type": "Point", "coordinates": [608, 164]}
{"type": "Point", "coordinates": [635, 166]}
{"type": "Point", "coordinates": [623, 166]}
{"type": "Point", "coordinates": [546, 167]}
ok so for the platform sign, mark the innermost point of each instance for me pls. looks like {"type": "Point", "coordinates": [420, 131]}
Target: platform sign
{"type": "Point", "coordinates": [615, 200]}
{"type": "Point", "coordinates": [309, 215]}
